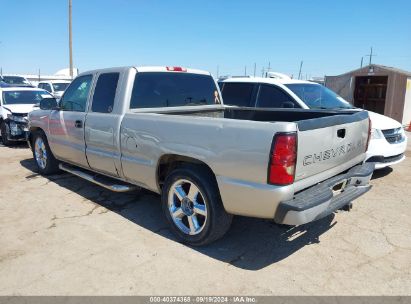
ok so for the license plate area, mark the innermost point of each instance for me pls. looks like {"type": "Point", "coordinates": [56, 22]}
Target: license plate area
{"type": "Point", "coordinates": [339, 187]}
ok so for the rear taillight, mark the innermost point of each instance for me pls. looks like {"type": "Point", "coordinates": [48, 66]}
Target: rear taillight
{"type": "Point", "coordinates": [369, 134]}
{"type": "Point", "coordinates": [283, 159]}
{"type": "Point", "coordinates": [176, 69]}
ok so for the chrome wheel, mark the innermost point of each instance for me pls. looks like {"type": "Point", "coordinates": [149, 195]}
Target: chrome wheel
{"type": "Point", "coordinates": [187, 207]}
{"type": "Point", "coordinates": [40, 153]}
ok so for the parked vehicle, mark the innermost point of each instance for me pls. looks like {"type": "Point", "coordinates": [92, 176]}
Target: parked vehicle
{"type": "Point", "coordinates": [4, 85]}
{"type": "Point", "coordinates": [54, 87]}
{"type": "Point", "coordinates": [166, 129]}
{"type": "Point", "coordinates": [16, 81]}
{"type": "Point", "coordinates": [15, 104]}
{"type": "Point", "coordinates": [388, 141]}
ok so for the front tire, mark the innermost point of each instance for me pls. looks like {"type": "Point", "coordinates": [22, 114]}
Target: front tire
{"type": "Point", "coordinates": [192, 205]}
{"type": "Point", "coordinates": [4, 128]}
{"type": "Point", "coordinates": [44, 158]}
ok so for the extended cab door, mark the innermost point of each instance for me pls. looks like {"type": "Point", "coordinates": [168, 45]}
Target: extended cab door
{"type": "Point", "coordinates": [67, 124]}
{"type": "Point", "coordinates": [103, 124]}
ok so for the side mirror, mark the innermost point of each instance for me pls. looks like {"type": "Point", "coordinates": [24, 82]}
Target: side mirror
{"type": "Point", "coordinates": [49, 103]}
{"type": "Point", "coordinates": [287, 104]}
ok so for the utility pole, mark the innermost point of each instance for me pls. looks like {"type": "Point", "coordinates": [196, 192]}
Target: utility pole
{"type": "Point", "coordinates": [362, 58]}
{"type": "Point", "coordinates": [218, 71]}
{"type": "Point", "coordinates": [39, 75]}
{"type": "Point", "coordinates": [70, 42]}
{"type": "Point", "coordinates": [245, 70]}
{"type": "Point", "coordinates": [370, 55]}
{"type": "Point", "coordinates": [299, 72]}
{"type": "Point", "coordinates": [1, 68]}
{"type": "Point", "coordinates": [255, 67]}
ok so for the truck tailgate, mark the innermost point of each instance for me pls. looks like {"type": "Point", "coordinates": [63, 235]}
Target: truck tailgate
{"type": "Point", "coordinates": [329, 145]}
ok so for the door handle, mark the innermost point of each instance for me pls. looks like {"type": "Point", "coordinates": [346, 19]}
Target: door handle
{"type": "Point", "coordinates": [78, 124]}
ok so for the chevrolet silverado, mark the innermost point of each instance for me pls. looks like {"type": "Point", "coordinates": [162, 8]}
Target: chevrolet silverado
{"type": "Point", "coordinates": [166, 129]}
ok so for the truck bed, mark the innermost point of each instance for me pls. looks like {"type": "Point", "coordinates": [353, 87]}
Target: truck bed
{"type": "Point", "coordinates": [305, 119]}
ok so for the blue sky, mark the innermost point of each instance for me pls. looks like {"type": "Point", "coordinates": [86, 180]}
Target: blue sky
{"type": "Point", "coordinates": [329, 36]}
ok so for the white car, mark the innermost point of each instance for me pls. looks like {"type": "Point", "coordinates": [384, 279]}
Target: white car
{"type": "Point", "coordinates": [388, 142]}
{"type": "Point", "coordinates": [16, 81]}
{"type": "Point", "coordinates": [15, 104]}
{"type": "Point", "coordinates": [54, 87]}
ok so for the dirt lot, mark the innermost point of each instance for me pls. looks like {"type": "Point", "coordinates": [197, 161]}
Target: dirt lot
{"type": "Point", "coordinates": [62, 235]}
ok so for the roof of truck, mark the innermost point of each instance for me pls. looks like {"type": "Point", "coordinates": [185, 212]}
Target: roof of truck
{"type": "Point", "coordinates": [267, 80]}
{"type": "Point", "coordinates": [170, 69]}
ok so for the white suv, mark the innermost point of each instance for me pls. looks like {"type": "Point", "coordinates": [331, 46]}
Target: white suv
{"type": "Point", "coordinates": [55, 87]}
{"type": "Point", "coordinates": [388, 142]}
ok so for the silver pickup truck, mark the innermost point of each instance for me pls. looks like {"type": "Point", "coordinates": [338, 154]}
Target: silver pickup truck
{"type": "Point", "coordinates": [166, 129]}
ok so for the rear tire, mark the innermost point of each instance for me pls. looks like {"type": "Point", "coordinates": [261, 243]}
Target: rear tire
{"type": "Point", "coordinates": [4, 131]}
{"type": "Point", "coordinates": [44, 158]}
{"type": "Point", "coordinates": [192, 205]}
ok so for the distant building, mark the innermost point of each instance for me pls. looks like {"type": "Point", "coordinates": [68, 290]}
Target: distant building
{"type": "Point", "coordinates": [34, 79]}
{"type": "Point", "coordinates": [319, 79]}
{"type": "Point", "coordinates": [378, 88]}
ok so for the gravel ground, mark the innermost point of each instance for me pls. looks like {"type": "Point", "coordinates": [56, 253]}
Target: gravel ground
{"type": "Point", "coordinates": [64, 236]}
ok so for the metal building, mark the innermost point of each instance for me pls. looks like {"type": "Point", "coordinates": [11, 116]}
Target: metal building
{"type": "Point", "coordinates": [377, 88]}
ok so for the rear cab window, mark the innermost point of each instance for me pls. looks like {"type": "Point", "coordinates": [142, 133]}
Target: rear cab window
{"type": "Point", "coordinates": [238, 94]}
{"type": "Point", "coordinates": [173, 89]}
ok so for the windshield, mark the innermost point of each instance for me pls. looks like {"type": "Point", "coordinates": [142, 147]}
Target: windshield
{"type": "Point", "coordinates": [15, 80]}
{"type": "Point", "coordinates": [60, 86]}
{"type": "Point", "coordinates": [316, 96]}
{"type": "Point", "coordinates": [24, 97]}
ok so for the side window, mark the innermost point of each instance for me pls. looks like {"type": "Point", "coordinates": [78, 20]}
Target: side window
{"type": "Point", "coordinates": [238, 94]}
{"type": "Point", "coordinates": [47, 87]}
{"type": "Point", "coordinates": [40, 85]}
{"type": "Point", "coordinates": [270, 96]}
{"type": "Point", "coordinates": [105, 92]}
{"type": "Point", "coordinates": [75, 97]}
